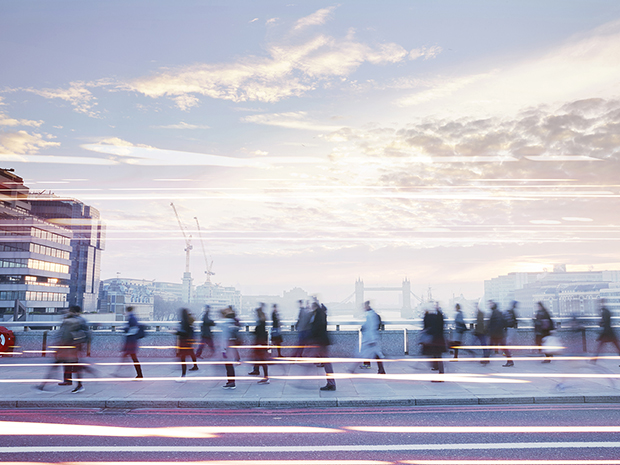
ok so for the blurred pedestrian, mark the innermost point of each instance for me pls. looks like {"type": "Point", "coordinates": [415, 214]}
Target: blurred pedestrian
{"type": "Point", "coordinates": [481, 334]}
{"type": "Point", "coordinates": [607, 335]}
{"type": "Point", "coordinates": [435, 329]}
{"type": "Point", "coordinates": [371, 339]}
{"type": "Point", "coordinates": [276, 330]}
{"type": "Point", "coordinates": [133, 333]}
{"type": "Point", "coordinates": [512, 322]}
{"type": "Point", "coordinates": [260, 345]}
{"type": "Point", "coordinates": [185, 335]}
{"type": "Point", "coordinates": [81, 338]}
{"type": "Point", "coordinates": [206, 335]}
{"type": "Point", "coordinates": [230, 334]}
{"type": "Point", "coordinates": [459, 331]}
{"type": "Point", "coordinates": [303, 328]}
{"type": "Point", "coordinates": [321, 339]}
{"type": "Point", "coordinates": [496, 330]}
{"type": "Point", "coordinates": [66, 353]}
{"type": "Point", "coordinates": [543, 325]}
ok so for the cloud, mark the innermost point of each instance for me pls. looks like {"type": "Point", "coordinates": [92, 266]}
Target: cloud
{"type": "Point", "coordinates": [183, 125]}
{"type": "Point", "coordinates": [587, 65]}
{"type": "Point", "coordinates": [150, 156]}
{"type": "Point", "coordinates": [580, 131]}
{"type": "Point", "coordinates": [290, 120]}
{"type": "Point", "coordinates": [253, 20]}
{"type": "Point", "coordinates": [288, 69]}
{"type": "Point", "coordinates": [425, 52]}
{"type": "Point", "coordinates": [7, 121]}
{"type": "Point", "coordinates": [21, 142]}
{"type": "Point", "coordinates": [315, 19]}
{"type": "Point", "coordinates": [77, 94]}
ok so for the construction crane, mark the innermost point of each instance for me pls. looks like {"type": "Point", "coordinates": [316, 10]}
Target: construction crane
{"type": "Point", "coordinates": [208, 271]}
{"type": "Point", "coordinates": [188, 239]}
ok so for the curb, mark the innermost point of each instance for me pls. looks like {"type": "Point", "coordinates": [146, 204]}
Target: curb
{"type": "Point", "coordinates": [276, 403]}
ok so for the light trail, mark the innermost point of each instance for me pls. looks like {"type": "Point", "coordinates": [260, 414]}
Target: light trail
{"type": "Point", "coordinates": [511, 462]}
{"type": "Point", "coordinates": [325, 448]}
{"type": "Point", "coordinates": [22, 428]}
{"type": "Point", "coordinates": [483, 429]}
{"type": "Point", "coordinates": [218, 462]}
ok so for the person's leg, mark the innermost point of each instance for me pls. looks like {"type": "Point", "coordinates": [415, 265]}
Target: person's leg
{"type": "Point", "coordinates": [200, 348]}
{"type": "Point", "coordinates": [183, 366]}
{"type": "Point", "coordinates": [136, 365]}
{"type": "Point", "coordinates": [380, 368]}
{"type": "Point", "coordinates": [230, 374]}
{"type": "Point", "coordinates": [193, 356]}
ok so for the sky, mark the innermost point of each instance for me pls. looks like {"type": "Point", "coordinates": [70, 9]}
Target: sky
{"type": "Point", "coordinates": [317, 143]}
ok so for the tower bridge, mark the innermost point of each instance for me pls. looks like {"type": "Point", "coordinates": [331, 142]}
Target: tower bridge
{"type": "Point", "coordinates": [406, 311]}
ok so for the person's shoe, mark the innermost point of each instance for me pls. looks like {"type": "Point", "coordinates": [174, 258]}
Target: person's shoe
{"type": "Point", "coordinates": [367, 367]}
{"type": "Point", "coordinates": [39, 388]}
{"type": "Point", "coordinates": [181, 380]}
{"type": "Point", "coordinates": [79, 388]}
{"type": "Point", "coordinates": [264, 381]}
{"type": "Point", "coordinates": [229, 386]}
{"type": "Point", "coordinates": [508, 364]}
{"type": "Point", "coordinates": [328, 387]}
{"type": "Point", "coordinates": [436, 381]}
{"type": "Point", "coordinates": [193, 369]}
{"type": "Point", "coordinates": [434, 369]}
{"type": "Point", "coordinates": [139, 377]}
{"type": "Point", "coordinates": [254, 373]}
{"type": "Point", "coordinates": [546, 361]}
{"type": "Point", "coordinates": [485, 362]}
{"type": "Point", "coordinates": [381, 372]}
{"type": "Point", "coordinates": [65, 383]}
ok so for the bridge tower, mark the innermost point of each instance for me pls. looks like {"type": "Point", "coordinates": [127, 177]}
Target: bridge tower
{"type": "Point", "coordinates": [359, 294]}
{"type": "Point", "coordinates": [406, 311]}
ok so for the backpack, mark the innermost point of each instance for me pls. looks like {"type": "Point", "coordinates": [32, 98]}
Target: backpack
{"type": "Point", "coordinates": [379, 322]}
{"type": "Point", "coordinates": [141, 332]}
{"type": "Point", "coordinates": [511, 319]}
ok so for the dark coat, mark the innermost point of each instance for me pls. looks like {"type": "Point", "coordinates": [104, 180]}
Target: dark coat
{"type": "Point", "coordinates": [496, 328]}
{"type": "Point", "coordinates": [131, 338]}
{"type": "Point", "coordinates": [318, 328]}
{"type": "Point", "coordinates": [607, 332]}
{"type": "Point", "coordinates": [435, 329]}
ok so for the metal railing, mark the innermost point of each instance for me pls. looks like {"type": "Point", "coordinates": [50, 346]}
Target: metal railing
{"type": "Point", "coordinates": [289, 325]}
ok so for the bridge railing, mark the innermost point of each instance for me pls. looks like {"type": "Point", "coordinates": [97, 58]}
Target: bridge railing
{"type": "Point", "coordinates": [289, 325]}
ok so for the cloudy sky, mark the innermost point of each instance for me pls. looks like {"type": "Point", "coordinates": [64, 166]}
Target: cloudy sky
{"type": "Point", "coordinates": [317, 142]}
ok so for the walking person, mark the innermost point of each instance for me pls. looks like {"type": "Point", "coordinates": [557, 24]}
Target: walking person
{"type": "Point", "coordinates": [371, 339]}
{"type": "Point", "coordinates": [304, 318]}
{"type": "Point", "coordinates": [206, 335]}
{"type": "Point", "coordinates": [435, 329]}
{"type": "Point", "coordinates": [321, 339]}
{"type": "Point", "coordinates": [80, 337]}
{"type": "Point", "coordinates": [230, 335]}
{"type": "Point", "coordinates": [496, 329]}
{"type": "Point", "coordinates": [607, 335]}
{"type": "Point", "coordinates": [260, 345]}
{"type": "Point", "coordinates": [276, 330]}
{"type": "Point", "coordinates": [459, 330]}
{"type": "Point", "coordinates": [543, 325]}
{"type": "Point", "coordinates": [133, 333]}
{"type": "Point", "coordinates": [66, 353]}
{"type": "Point", "coordinates": [480, 334]}
{"type": "Point", "coordinates": [512, 322]}
{"type": "Point", "coordinates": [185, 335]}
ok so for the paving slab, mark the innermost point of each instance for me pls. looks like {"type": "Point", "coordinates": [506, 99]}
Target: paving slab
{"type": "Point", "coordinates": [297, 386]}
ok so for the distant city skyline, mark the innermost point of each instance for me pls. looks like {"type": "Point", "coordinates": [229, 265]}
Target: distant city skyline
{"type": "Point", "coordinates": [317, 143]}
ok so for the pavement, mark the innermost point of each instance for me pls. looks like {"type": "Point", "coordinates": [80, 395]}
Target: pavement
{"type": "Point", "coordinates": [409, 382]}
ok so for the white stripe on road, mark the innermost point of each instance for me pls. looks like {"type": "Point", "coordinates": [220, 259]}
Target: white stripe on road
{"type": "Point", "coordinates": [330, 448]}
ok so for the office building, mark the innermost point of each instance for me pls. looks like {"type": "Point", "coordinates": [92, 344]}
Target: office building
{"type": "Point", "coordinates": [34, 256]}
